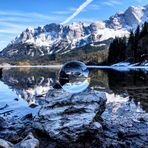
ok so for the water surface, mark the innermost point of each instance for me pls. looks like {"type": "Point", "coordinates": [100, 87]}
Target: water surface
{"type": "Point", "coordinates": [23, 90]}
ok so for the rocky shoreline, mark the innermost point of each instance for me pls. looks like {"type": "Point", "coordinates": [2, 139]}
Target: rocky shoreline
{"type": "Point", "coordinates": [87, 119]}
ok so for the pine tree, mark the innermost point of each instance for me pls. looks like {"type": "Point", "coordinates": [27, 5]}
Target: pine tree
{"type": "Point", "coordinates": [117, 50]}
{"type": "Point", "coordinates": [144, 31]}
{"type": "Point", "coordinates": [137, 33]}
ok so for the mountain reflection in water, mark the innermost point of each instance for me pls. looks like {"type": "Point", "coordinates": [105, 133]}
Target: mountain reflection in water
{"type": "Point", "coordinates": [32, 85]}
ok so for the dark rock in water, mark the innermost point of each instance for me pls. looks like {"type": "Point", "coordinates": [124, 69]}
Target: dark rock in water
{"type": "Point", "coordinates": [67, 117]}
{"type": "Point", "coordinates": [33, 105]}
{"type": "Point", "coordinates": [5, 144]}
{"type": "Point", "coordinates": [3, 123]}
{"type": "Point", "coordinates": [28, 116]}
{"type": "Point", "coordinates": [40, 95]}
{"type": "Point", "coordinates": [57, 86]}
{"type": "Point", "coordinates": [11, 135]}
{"type": "Point", "coordinates": [16, 99]}
{"type": "Point", "coordinates": [29, 142]}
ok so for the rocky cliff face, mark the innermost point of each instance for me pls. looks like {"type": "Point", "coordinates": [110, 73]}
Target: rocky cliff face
{"type": "Point", "coordinates": [56, 38]}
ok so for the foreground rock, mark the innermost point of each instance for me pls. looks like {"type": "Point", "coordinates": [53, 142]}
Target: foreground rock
{"type": "Point", "coordinates": [67, 117]}
{"type": "Point", "coordinates": [15, 129]}
{"type": "Point", "coordinates": [29, 142]}
{"type": "Point", "coordinates": [125, 123]}
{"type": "Point", "coordinates": [76, 120]}
{"type": "Point", "coordinates": [5, 144]}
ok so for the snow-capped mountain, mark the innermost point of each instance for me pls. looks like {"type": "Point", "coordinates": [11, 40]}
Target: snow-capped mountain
{"type": "Point", "coordinates": [56, 38]}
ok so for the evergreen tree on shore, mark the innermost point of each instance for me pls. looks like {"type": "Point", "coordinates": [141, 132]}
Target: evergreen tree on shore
{"type": "Point", "coordinates": [116, 50]}
{"type": "Point", "coordinates": [135, 50]}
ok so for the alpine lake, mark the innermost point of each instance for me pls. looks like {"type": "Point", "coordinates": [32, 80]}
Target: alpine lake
{"type": "Point", "coordinates": [23, 92]}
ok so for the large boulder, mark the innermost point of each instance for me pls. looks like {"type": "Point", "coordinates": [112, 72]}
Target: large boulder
{"type": "Point", "coordinates": [67, 117]}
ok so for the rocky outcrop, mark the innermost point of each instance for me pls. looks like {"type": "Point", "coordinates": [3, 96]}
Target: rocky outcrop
{"type": "Point", "coordinates": [67, 117]}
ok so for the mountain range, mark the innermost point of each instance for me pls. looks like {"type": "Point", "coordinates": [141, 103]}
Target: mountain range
{"type": "Point", "coordinates": [56, 39]}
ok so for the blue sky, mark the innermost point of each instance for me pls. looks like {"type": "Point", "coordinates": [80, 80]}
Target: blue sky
{"type": "Point", "coordinates": [17, 15]}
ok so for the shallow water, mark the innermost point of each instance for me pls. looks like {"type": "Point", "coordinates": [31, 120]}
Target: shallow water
{"type": "Point", "coordinates": [24, 89]}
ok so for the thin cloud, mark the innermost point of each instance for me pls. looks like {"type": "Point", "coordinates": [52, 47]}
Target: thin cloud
{"type": "Point", "coordinates": [93, 7]}
{"type": "Point", "coordinates": [81, 7]}
{"type": "Point", "coordinates": [112, 3]}
{"type": "Point", "coordinates": [85, 20]}
{"type": "Point", "coordinates": [63, 12]}
{"type": "Point", "coordinates": [12, 23]}
{"type": "Point", "coordinates": [29, 15]}
{"type": "Point", "coordinates": [116, 2]}
{"type": "Point", "coordinates": [10, 31]}
{"type": "Point", "coordinates": [140, 1]}
{"type": "Point", "coordinates": [14, 19]}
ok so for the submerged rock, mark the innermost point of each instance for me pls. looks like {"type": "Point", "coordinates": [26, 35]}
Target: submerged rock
{"type": "Point", "coordinates": [5, 144]}
{"type": "Point", "coordinates": [67, 117]}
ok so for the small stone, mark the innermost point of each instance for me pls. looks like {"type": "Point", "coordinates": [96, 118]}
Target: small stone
{"type": "Point", "coordinates": [96, 126]}
{"type": "Point", "coordinates": [16, 99]}
{"type": "Point", "coordinates": [33, 105]}
{"type": "Point", "coordinates": [28, 116]}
